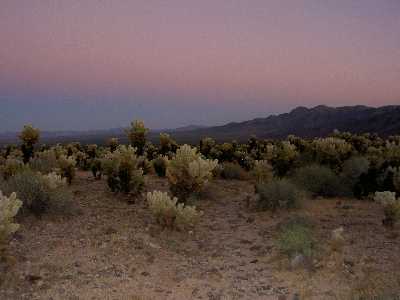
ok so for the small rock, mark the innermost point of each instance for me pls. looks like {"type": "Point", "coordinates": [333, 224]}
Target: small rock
{"type": "Point", "coordinates": [297, 261]}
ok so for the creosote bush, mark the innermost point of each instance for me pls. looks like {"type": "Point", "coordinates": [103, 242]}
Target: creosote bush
{"type": "Point", "coordinates": [320, 181]}
{"type": "Point", "coordinates": [160, 165]}
{"type": "Point", "coordinates": [232, 171]}
{"type": "Point", "coordinates": [278, 193]}
{"type": "Point", "coordinates": [171, 214]}
{"type": "Point", "coordinates": [187, 172]}
{"type": "Point", "coordinates": [262, 171]}
{"type": "Point", "coordinates": [38, 192]}
{"type": "Point", "coordinates": [9, 207]}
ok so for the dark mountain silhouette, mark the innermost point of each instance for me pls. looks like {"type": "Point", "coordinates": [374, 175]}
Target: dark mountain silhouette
{"type": "Point", "coordinates": [305, 122]}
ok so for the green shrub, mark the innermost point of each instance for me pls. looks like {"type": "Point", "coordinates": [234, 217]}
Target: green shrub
{"type": "Point", "coordinates": [232, 171]}
{"type": "Point", "coordinates": [262, 171]}
{"type": "Point", "coordinates": [9, 207]}
{"type": "Point", "coordinates": [170, 214]}
{"type": "Point", "coordinates": [160, 165]}
{"type": "Point", "coordinates": [278, 193]}
{"type": "Point", "coordinates": [44, 162]}
{"type": "Point", "coordinates": [38, 192]}
{"type": "Point", "coordinates": [296, 237]}
{"type": "Point", "coordinates": [320, 181]}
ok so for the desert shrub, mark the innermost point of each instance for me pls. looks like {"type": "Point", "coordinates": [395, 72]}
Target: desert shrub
{"type": "Point", "coordinates": [38, 192]}
{"type": "Point", "coordinates": [354, 167]}
{"type": "Point", "coordinates": [396, 179]}
{"type": "Point", "coordinates": [320, 181]}
{"type": "Point", "coordinates": [187, 172]}
{"type": "Point", "coordinates": [391, 207]}
{"type": "Point", "coordinates": [11, 167]}
{"type": "Point", "coordinates": [206, 145]}
{"type": "Point", "coordinates": [91, 151]}
{"type": "Point", "coordinates": [278, 193]}
{"type": "Point", "coordinates": [296, 237]}
{"type": "Point", "coordinates": [122, 171]}
{"type": "Point", "coordinates": [144, 164]}
{"type": "Point", "coordinates": [66, 167]}
{"type": "Point", "coordinates": [262, 171]}
{"type": "Point", "coordinates": [29, 137]}
{"type": "Point", "coordinates": [232, 171]}
{"type": "Point", "coordinates": [9, 207]}
{"type": "Point", "coordinates": [137, 136]}
{"type": "Point", "coordinates": [44, 162]}
{"type": "Point", "coordinates": [160, 165]}
{"type": "Point", "coordinates": [171, 214]}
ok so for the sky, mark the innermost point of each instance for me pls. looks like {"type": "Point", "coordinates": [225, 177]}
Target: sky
{"type": "Point", "coordinates": [91, 64]}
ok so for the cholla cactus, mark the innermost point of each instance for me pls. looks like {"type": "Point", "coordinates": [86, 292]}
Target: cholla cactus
{"type": "Point", "coordinates": [160, 165]}
{"type": "Point", "coordinates": [171, 214]}
{"type": "Point", "coordinates": [9, 207]}
{"type": "Point", "coordinates": [206, 145]}
{"type": "Point", "coordinates": [54, 181]}
{"type": "Point", "coordinates": [187, 172]}
{"type": "Point", "coordinates": [391, 207]}
{"type": "Point", "coordinates": [67, 167]}
{"type": "Point", "coordinates": [29, 136]}
{"type": "Point", "coordinates": [167, 144]}
{"type": "Point", "coordinates": [262, 171]}
{"type": "Point", "coordinates": [113, 144]}
{"type": "Point", "coordinates": [44, 162]}
{"type": "Point", "coordinates": [332, 150]}
{"type": "Point", "coordinates": [122, 171]}
{"type": "Point", "coordinates": [137, 135]}
{"type": "Point", "coordinates": [11, 167]}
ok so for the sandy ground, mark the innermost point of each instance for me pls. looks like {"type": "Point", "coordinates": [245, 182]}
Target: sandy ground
{"type": "Point", "coordinates": [111, 248]}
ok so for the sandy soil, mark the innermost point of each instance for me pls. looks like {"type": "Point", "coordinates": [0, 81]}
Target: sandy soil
{"type": "Point", "coordinates": [111, 248]}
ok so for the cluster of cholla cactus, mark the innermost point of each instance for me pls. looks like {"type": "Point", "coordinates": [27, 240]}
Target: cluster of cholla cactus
{"type": "Point", "coordinates": [66, 165]}
{"type": "Point", "coordinates": [137, 136]}
{"type": "Point", "coordinates": [9, 207]}
{"type": "Point", "coordinates": [167, 145]}
{"type": "Point", "coordinates": [113, 144]}
{"type": "Point", "coordinates": [122, 170]}
{"type": "Point", "coordinates": [391, 207]}
{"type": "Point", "coordinates": [332, 151]}
{"type": "Point", "coordinates": [171, 214]}
{"type": "Point", "coordinates": [188, 171]}
{"type": "Point", "coordinates": [29, 137]}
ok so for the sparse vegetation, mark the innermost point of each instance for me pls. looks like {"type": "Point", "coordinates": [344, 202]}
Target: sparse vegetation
{"type": "Point", "coordinates": [278, 193]}
{"type": "Point", "coordinates": [9, 207]}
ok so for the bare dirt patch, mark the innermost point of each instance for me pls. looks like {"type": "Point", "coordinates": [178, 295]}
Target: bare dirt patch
{"type": "Point", "coordinates": [111, 248]}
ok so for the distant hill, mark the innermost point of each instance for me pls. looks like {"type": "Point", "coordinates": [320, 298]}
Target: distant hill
{"type": "Point", "coordinates": [305, 122]}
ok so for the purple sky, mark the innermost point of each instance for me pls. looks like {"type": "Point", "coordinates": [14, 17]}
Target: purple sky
{"type": "Point", "coordinates": [99, 64]}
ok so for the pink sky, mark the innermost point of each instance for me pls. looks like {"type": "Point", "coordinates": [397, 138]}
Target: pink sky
{"type": "Point", "coordinates": [206, 61]}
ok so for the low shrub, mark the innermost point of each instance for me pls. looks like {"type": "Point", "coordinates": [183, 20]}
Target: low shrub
{"type": "Point", "coordinates": [38, 192]}
{"type": "Point", "coordinates": [278, 193]}
{"type": "Point", "coordinates": [320, 181]}
{"type": "Point", "coordinates": [262, 171]}
{"type": "Point", "coordinates": [232, 171]}
{"type": "Point", "coordinates": [11, 167]}
{"type": "Point", "coordinates": [160, 165]}
{"type": "Point", "coordinates": [44, 162]}
{"type": "Point", "coordinates": [9, 207]}
{"type": "Point", "coordinates": [171, 214]}
{"type": "Point", "coordinates": [296, 237]}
